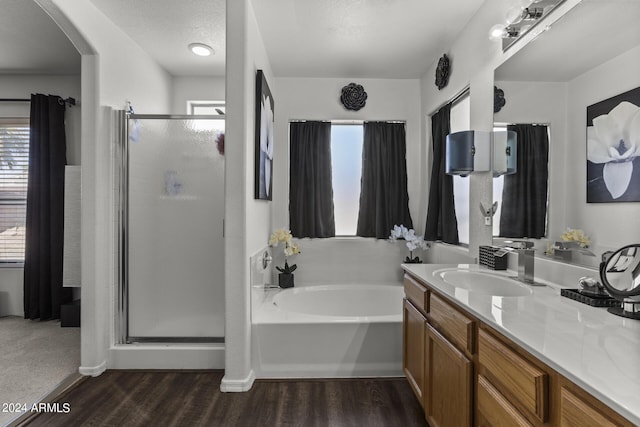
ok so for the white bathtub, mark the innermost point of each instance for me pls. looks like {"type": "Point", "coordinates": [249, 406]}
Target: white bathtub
{"type": "Point", "coordinates": [328, 331]}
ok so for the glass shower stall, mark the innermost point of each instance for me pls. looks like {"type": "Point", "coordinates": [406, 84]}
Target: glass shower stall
{"type": "Point", "coordinates": [170, 181]}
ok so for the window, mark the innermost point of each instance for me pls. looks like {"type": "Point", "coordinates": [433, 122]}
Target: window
{"type": "Point", "coordinates": [212, 108]}
{"type": "Point", "coordinates": [14, 170]}
{"type": "Point", "coordinates": [347, 179]}
{"type": "Point", "coordinates": [460, 119]}
{"type": "Point", "coordinates": [346, 169]}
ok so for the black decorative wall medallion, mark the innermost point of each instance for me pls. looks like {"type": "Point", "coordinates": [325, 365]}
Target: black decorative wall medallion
{"type": "Point", "coordinates": [442, 72]}
{"type": "Point", "coordinates": [353, 96]}
{"type": "Point", "coordinates": [498, 99]}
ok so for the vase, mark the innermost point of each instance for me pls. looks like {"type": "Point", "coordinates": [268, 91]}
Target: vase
{"type": "Point", "coordinates": [285, 280]}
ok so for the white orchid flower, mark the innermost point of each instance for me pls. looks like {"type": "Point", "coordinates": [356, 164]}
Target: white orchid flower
{"type": "Point", "coordinates": [398, 232]}
{"type": "Point", "coordinates": [409, 234]}
{"type": "Point", "coordinates": [614, 139]}
{"type": "Point", "coordinates": [417, 243]}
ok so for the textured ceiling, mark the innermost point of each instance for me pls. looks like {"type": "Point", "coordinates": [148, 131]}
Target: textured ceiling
{"type": "Point", "coordinates": [31, 43]}
{"type": "Point", "coordinates": [593, 32]}
{"type": "Point", "coordinates": [359, 38]}
{"type": "Point", "coordinates": [164, 29]}
{"type": "Point", "coordinates": [303, 38]}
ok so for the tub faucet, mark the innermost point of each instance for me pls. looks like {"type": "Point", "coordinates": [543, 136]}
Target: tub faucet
{"type": "Point", "coordinates": [525, 258]}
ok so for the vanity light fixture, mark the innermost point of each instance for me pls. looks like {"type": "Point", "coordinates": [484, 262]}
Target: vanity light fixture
{"type": "Point", "coordinates": [520, 17]}
{"type": "Point", "coordinates": [200, 49]}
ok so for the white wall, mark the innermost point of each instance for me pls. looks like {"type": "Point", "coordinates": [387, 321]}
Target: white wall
{"type": "Point", "coordinates": [318, 99]}
{"type": "Point", "coordinates": [114, 70]}
{"type": "Point", "coordinates": [195, 89]}
{"type": "Point", "coordinates": [22, 86]}
{"type": "Point", "coordinates": [247, 221]}
{"type": "Point", "coordinates": [474, 57]}
{"type": "Point", "coordinates": [610, 225]}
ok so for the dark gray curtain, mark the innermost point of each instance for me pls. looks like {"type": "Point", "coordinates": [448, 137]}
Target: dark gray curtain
{"type": "Point", "coordinates": [384, 201]}
{"type": "Point", "coordinates": [524, 196]}
{"type": "Point", "coordinates": [441, 214]}
{"type": "Point", "coordinates": [310, 186]}
{"type": "Point", "coordinates": [43, 291]}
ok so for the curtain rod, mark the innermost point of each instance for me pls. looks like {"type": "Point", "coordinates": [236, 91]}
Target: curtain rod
{"type": "Point", "coordinates": [453, 100]}
{"type": "Point", "coordinates": [347, 121]}
{"type": "Point", "coordinates": [71, 101]}
{"type": "Point", "coordinates": [521, 123]}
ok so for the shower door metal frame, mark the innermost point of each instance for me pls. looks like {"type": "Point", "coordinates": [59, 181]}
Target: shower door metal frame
{"type": "Point", "coordinates": [121, 123]}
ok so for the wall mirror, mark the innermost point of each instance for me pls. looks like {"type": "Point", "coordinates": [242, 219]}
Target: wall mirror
{"type": "Point", "coordinates": [584, 57]}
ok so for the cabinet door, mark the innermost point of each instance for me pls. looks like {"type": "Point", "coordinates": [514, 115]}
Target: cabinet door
{"type": "Point", "coordinates": [448, 383]}
{"type": "Point", "coordinates": [578, 409]}
{"type": "Point", "coordinates": [413, 336]}
{"type": "Point", "coordinates": [494, 410]}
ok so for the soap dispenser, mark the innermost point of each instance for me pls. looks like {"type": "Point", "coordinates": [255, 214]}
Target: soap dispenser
{"type": "Point", "coordinates": [505, 153]}
{"type": "Point", "coordinates": [467, 151]}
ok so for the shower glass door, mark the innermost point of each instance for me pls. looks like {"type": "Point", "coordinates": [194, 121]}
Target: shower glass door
{"type": "Point", "coordinates": [174, 244]}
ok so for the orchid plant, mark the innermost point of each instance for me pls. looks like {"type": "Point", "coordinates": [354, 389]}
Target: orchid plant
{"type": "Point", "coordinates": [284, 236]}
{"type": "Point", "coordinates": [400, 232]}
{"type": "Point", "coordinates": [575, 235]}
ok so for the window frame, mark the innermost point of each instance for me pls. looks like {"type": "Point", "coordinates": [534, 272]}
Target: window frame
{"type": "Point", "coordinates": [15, 199]}
{"type": "Point", "coordinates": [463, 101]}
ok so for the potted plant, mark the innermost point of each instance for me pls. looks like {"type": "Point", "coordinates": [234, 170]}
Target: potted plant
{"type": "Point", "coordinates": [400, 232]}
{"type": "Point", "coordinates": [285, 278]}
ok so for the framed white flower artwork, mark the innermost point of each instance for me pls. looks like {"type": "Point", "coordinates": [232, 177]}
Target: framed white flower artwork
{"type": "Point", "coordinates": [613, 149]}
{"type": "Point", "coordinates": [264, 139]}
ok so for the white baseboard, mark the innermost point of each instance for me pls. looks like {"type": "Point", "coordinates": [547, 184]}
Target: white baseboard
{"type": "Point", "coordinates": [166, 356]}
{"type": "Point", "coordinates": [93, 371]}
{"type": "Point", "coordinates": [237, 386]}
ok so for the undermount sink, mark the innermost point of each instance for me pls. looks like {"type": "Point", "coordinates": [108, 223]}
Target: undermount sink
{"type": "Point", "coordinates": [480, 282]}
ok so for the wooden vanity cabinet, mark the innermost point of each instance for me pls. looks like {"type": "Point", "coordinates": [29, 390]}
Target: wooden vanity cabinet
{"type": "Point", "coordinates": [413, 347]}
{"type": "Point", "coordinates": [577, 408]}
{"type": "Point", "coordinates": [448, 400]}
{"type": "Point", "coordinates": [511, 380]}
{"type": "Point", "coordinates": [466, 373]}
{"type": "Point", "coordinates": [438, 364]}
{"type": "Point", "coordinates": [415, 306]}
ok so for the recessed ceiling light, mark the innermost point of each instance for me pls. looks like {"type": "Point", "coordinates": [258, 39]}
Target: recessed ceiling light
{"type": "Point", "coordinates": [200, 49]}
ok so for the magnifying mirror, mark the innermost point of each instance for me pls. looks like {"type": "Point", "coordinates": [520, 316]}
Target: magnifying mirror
{"type": "Point", "coordinates": [620, 275]}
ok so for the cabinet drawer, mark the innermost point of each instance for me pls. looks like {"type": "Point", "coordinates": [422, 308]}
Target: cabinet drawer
{"type": "Point", "coordinates": [577, 408]}
{"type": "Point", "coordinates": [416, 293]}
{"type": "Point", "coordinates": [494, 409]}
{"type": "Point", "coordinates": [515, 377]}
{"type": "Point", "coordinates": [452, 323]}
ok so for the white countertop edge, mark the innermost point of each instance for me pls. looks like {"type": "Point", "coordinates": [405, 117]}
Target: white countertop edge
{"type": "Point", "coordinates": [623, 406]}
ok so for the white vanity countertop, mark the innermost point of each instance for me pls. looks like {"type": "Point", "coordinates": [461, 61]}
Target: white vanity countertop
{"type": "Point", "coordinates": [597, 350]}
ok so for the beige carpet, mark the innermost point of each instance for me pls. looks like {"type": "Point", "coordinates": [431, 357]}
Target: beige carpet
{"type": "Point", "coordinates": [34, 358]}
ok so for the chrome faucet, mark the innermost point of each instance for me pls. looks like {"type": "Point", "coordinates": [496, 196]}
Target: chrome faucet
{"type": "Point", "coordinates": [526, 258]}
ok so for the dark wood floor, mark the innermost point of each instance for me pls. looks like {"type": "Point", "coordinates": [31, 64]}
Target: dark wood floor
{"type": "Point", "coordinates": [179, 398]}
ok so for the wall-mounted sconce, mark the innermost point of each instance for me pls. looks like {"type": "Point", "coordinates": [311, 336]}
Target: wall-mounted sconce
{"type": "Point", "coordinates": [467, 151]}
{"type": "Point", "coordinates": [505, 152]}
